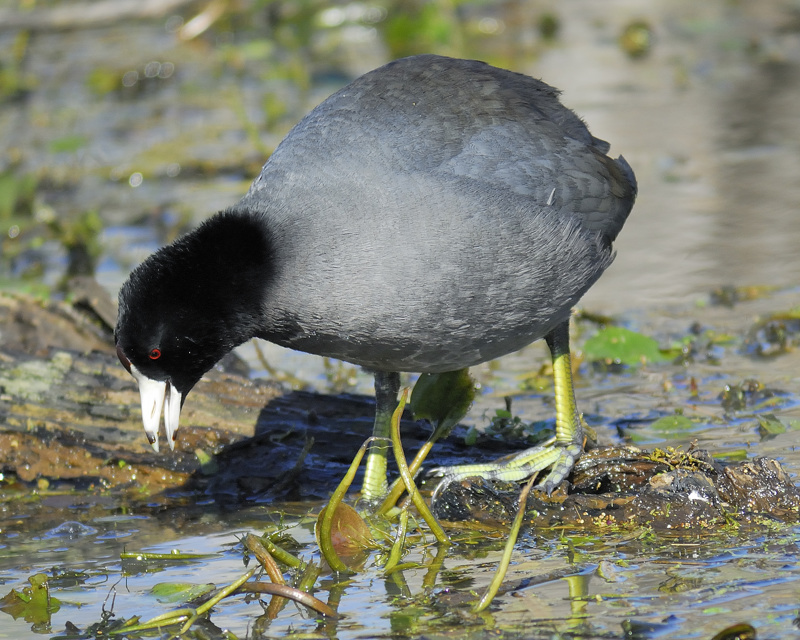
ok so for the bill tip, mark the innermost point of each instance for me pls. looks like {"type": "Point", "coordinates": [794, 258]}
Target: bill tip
{"type": "Point", "coordinates": [153, 440]}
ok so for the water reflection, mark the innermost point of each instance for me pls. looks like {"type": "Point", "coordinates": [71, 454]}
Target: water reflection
{"type": "Point", "coordinates": [756, 225]}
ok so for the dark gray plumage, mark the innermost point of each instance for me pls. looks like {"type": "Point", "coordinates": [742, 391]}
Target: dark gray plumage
{"type": "Point", "coordinates": [438, 250]}
{"type": "Point", "coordinates": [434, 214]}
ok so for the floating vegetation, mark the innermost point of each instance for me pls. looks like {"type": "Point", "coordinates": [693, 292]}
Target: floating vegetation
{"type": "Point", "coordinates": [618, 345]}
{"type": "Point", "coordinates": [34, 604]}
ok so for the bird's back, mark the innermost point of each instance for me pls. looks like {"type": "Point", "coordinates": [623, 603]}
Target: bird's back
{"type": "Point", "coordinates": [436, 213]}
{"type": "Point", "coordinates": [453, 118]}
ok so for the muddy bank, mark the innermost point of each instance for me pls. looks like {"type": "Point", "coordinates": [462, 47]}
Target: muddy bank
{"type": "Point", "coordinates": [69, 417]}
{"type": "Point", "coordinates": [615, 488]}
{"type": "Point", "coordinates": [70, 413]}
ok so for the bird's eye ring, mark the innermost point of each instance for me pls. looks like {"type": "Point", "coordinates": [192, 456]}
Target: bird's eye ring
{"type": "Point", "coordinates": [155, 354]}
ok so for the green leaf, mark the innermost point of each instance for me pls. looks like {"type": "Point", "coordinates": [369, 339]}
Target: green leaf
{"type": "Point", "coordinates": [443, 398]}
{"type": "Point", "coordinates": [68, 144]}
{"type": "Point", "coordinates": [16, 194]}
{"type": "Point", "coordinates": [740, 631]}
{"type": "Point", "coordinates": [622, 346]}
{"type": "Point", "coordinates": [673, 423]}
{"type": "Point", "coordinates": [33, 604]}
{"type": "Point", "coordinates": [102, 81]}
{"type": "Point", "coordinates": [769, 426]}
{"type": "Point", "coordinates": [471, 436]}
{"type": "Point", "coordinates": [208, 462]}
{"type": "Point", "coordinates": [734, 455]}
{"type": "Point", "coordinates": [180, 591]}
{"type": "Point", "coordinates": [350, 535]}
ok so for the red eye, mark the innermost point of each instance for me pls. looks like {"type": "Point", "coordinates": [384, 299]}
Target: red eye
{"type": "Point", "coordinates": [155, 354]}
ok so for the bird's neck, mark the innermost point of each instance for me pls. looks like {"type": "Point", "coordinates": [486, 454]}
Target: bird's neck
{"type": "Point", "coordinates": [235, 258]}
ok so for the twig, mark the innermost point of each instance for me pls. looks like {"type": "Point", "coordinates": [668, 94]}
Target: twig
{"type": "Point", "coordinates": [285, 591]}
{"type": "Point", "coordinates": [255, 546]}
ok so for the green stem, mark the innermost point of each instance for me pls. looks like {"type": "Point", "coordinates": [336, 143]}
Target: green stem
{"type": "Point", "coordinates": [326, 522]}
{"type": "Point", "coordinates": [187, 614]}
{"type": "Point", "coordinates": [500, 574]}
{"type": "Point", "coordinates": [397, 488]}
{"type": "Point", "coordinates": [281, 555]}
{"type": "Point", "coordinates": [408, 479]}
{"type": "Point", "coordinates": [399, 542]}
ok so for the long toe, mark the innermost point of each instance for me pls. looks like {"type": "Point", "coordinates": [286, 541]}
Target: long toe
{"type": "Point", "coordinates": [557, 457]}
{"type": "Point", "coordinates": [567, 456]}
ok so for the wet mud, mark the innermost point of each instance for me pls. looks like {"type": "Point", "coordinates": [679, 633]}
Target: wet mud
{"type": "Point", "coordinates": [615, 488]}
{"type": "Point", "coordinates": [70, 418]}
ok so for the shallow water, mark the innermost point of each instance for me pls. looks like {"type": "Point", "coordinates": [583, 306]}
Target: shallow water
{"type": "Point", "coordinates": [687, 586]}
{"type": "Point", "coordinates": [709, 121]}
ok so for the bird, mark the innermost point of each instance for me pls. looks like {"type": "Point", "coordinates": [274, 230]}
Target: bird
{"type": "Point", "coordinates": [433, 214]}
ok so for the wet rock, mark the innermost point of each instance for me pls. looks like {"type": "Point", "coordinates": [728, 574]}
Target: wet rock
{"type": "Point", "coordinates": [477, 499]}
{"type": "Point", "coordinates": [65, 457]}
{"type": "Point", "coordinates": [629, 487]}
{"type": "Point", "coordinates": [760, 486]}
{"type": "Point", "coordinates": [730, 295]}
{"type": "Point", "coordinates": [303, 444]}
{"type": "Point", "coordinates": [89, 297]}
{"type": "Point", "coordinates": [69, 414]}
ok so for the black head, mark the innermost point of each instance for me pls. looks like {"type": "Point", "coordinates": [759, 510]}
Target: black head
{"type": "Point", "coordinates": [192, 302]}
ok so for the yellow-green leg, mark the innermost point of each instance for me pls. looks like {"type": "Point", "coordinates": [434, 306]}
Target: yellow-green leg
{"type": "Point", "coordinates": [559, 454]}
{"type": "Point", "coordinates": [569, 430]}
{"type": "Point", "coordinates": [387, 386]}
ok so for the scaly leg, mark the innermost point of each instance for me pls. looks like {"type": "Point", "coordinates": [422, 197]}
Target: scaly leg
{"type": "Point", "coordinates": [569, 430]}
{"type": "Point", "coordinates": [560, 453]}
{"type": "Point", "coordinates": [387, 386]}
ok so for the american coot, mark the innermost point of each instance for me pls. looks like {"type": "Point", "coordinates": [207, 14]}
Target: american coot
{"type": "Point", "coordinates": [434, 214]}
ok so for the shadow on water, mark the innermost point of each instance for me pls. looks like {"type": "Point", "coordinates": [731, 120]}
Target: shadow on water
{"type": "Point", "coordinates": [117, 137]}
